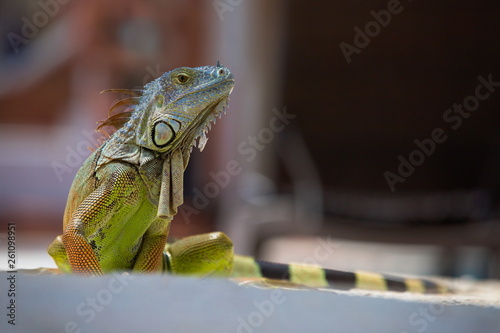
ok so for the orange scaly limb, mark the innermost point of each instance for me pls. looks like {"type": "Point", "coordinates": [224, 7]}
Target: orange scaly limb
{"type": "Point", "coordinates": [80, 254]}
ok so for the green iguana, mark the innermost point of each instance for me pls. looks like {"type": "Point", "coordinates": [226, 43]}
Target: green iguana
{"type": "Point", "coordinates": [125, 195]}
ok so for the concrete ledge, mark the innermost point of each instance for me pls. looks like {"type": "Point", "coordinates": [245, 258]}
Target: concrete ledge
{"type": "Point", "coordinates": [139, 303]}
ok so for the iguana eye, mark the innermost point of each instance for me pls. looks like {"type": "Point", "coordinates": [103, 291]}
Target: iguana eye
{"type": "Point", "coordinates": [183, 78]}
{"type": "Point", "coordinates": [163, 134]}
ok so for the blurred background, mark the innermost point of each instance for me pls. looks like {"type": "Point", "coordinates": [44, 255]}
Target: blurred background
{"type": "Point", "coordinates": [365, 134]}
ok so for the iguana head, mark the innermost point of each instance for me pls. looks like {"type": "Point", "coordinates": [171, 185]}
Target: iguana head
{"type": "Point", "coordinates": [160, 125]}
{"type": "Point", "coordinates": [183, 104]}
{"type": "Point", "coordinates": [173, 111]}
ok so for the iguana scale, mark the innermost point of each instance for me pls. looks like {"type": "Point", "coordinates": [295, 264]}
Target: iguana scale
{"type": "Point", "coordinates": [125, 195]}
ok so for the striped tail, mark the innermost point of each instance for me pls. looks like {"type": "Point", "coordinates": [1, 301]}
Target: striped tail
{"type": "Point", "coordinates": [317, 277]}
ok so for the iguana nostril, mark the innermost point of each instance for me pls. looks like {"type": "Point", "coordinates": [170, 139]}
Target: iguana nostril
{"type": "Point", "coordinates": [222, 72]}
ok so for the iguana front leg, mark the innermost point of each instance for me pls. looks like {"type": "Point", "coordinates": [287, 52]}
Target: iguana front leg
{"type": "Point", "coordinates": [150, 258]}
{"type": "Point", "coordinates": [100, 236]}
{"type": "Point", "coordinates": [90, 216]}
{"type": "Point", "coordinates": [81, 256]}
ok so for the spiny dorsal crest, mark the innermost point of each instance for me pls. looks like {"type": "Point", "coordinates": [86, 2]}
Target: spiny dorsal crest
{"type": "Point", "coordinates": [120, 118]}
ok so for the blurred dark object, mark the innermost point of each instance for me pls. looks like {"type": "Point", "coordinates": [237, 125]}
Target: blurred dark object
{"type": "Point", "coordinates": [431, 73]}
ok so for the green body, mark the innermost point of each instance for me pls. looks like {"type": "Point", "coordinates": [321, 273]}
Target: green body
{"type": "Point", "coordinates": [109, 210]}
